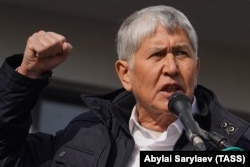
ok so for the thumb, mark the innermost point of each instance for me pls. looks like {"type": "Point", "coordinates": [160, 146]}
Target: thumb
{"type": "Point", "coordinates": [67, 47]}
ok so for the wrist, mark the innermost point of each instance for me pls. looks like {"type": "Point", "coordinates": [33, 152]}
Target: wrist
{"type": "Point", "coordinates": [27, 73]}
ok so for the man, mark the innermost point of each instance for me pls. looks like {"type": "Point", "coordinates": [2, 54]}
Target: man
{"type": "Point", "coordinates": [157, 49]}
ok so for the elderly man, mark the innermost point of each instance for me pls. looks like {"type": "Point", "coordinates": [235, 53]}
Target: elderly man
{"type": "Point", "coordinates": [157, 50]}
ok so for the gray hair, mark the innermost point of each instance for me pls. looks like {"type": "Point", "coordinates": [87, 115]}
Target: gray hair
{"type": "Point", "coordinates": [143, 23]}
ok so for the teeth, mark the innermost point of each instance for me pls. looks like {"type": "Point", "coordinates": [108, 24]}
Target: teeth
{"type": "Point", "coordinates": [171, 89]}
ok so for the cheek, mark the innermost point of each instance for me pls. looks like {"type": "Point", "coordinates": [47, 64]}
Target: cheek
{"type": "Point", "coordinates": [143, 81]}
{"type": "Point", "coordinates": [190, 75]}
{"type": "Point", "coordinates": [141, 74]}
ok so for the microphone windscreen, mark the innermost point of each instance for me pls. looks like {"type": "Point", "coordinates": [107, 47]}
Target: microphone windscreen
{"type": "Point", "coordinates": [177, 101]}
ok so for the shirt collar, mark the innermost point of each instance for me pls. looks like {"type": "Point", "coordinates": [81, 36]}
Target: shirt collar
{"type": "Point", "coordinates": [175, 125]}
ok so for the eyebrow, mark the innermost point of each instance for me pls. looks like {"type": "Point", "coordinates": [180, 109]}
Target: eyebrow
{"type": "Point", "coordinates": [176, 47]}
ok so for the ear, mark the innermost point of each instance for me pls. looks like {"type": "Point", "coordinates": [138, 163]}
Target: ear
{"type": "Point", "coordinates": [198, 65]}
{"type": "Point", "coordinates": [122, 70]}
{"type": "Point", "coordinates": [197, 70]}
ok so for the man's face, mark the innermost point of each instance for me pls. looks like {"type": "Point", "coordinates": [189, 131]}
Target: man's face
{"type": "Point", "coordinates": [163, 64]}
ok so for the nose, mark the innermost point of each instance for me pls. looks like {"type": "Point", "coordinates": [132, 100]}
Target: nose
{"type": "Point", "coordinates": [170, 66]}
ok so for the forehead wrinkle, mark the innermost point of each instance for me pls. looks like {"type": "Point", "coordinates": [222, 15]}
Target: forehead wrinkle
{"type": "Point", "coordinates": [157, 48]}
{"type": "Point", "coordinates": [182, 46]}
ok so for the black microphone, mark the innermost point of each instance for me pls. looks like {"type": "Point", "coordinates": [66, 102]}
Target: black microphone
{"type": "Point", "coordinates": [180, 105]}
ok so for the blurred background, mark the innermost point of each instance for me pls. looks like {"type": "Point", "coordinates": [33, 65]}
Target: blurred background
{"type": "Point", "coordinates": [223, 29]}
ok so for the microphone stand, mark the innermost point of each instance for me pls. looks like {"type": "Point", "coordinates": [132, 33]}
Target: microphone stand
{"type": "Point", "coordinates": [220, 142]}
{"type": "Point", "coordinates": [196, 140]}
{"type": "Point", "coordinates": [196, 135]}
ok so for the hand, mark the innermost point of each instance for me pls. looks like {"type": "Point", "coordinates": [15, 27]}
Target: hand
{"type": "Point", "coordinates": [44, 51]}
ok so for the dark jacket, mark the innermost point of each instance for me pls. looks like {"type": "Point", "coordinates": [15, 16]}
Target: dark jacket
{"type": "Point", "coordinates": [97, 138]}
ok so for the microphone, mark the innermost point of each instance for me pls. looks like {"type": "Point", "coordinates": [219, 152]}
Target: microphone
{"type": "Point", "coordinates": [180, 105]}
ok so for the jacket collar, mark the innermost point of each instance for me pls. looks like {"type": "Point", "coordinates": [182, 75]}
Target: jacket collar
{"type": "Point", "coordinates": [119, 102]}
{"type": "Point", "coordinates": [212, 117]}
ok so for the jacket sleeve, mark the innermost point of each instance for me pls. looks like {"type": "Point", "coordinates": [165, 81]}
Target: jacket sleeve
{"type": "Point", "coordinates": [18, 95]}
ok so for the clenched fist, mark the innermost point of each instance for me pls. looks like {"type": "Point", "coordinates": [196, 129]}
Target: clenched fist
{"type": "Point", "coordinates": [44, 51]}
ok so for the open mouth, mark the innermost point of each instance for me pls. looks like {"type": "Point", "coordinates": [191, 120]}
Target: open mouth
{"type": "Point", "coordinates": [171, 88]}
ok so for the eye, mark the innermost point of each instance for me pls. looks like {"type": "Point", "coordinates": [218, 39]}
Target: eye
{"type": "Point", "coordinates": [159, 54]}
{"type": "Point", "coordinates": [180, 53]}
